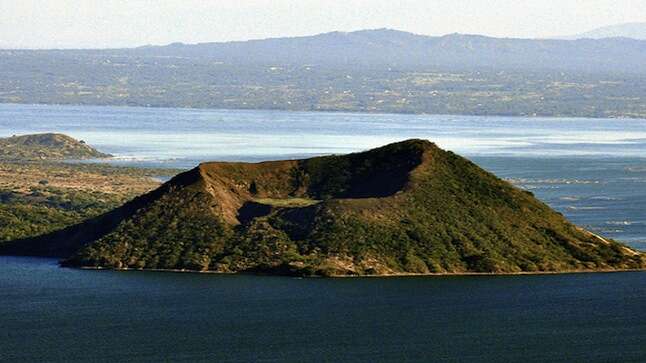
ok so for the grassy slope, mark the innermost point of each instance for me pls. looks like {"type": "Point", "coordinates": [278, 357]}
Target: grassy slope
{"type": "Point", "coordinates": [448, 215]}
{"type": "Point", "coordinates": [41, 197]}
{"type": "Point", "coordinates": [287, 202]}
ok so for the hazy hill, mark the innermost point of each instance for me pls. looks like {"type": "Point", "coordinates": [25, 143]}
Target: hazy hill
{"type": "Point", "coordinates": [407, 207]}
{"type": "Point", "coordinates": [391, 48]}
{"type": "Point", "coordinates": [627, 30]}
{"type": "Point", "coordinates": [47, 146]}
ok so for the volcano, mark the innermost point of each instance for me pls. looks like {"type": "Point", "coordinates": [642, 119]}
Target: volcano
{"type": "Point", "coordinates": [404, 208]}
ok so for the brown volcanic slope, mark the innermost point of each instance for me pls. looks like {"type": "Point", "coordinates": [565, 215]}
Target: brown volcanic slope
{"type": "Point", "coordinates": [47, 146]}
{"type": "Point", "coordinates": [407, 207]}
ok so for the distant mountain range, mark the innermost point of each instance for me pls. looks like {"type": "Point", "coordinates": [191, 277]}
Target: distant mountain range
{"type": "Point", "coordinates": [627, 30]}
{"type": "Point", "coordinates": [392, 48]}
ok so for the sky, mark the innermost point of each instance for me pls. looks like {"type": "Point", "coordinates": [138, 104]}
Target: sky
{"type": "Point", "coordinates": [129, 23]}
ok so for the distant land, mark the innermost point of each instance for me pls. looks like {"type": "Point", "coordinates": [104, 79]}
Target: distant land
{"type": "Point", "coordinates": [626, 30]}
{"type": "Point", "coordinates": [48, 146]}
{"type": "Point", "coordinates": [379, 70]}
{"type": "Point", "coordinates": [405, 208]}
{"type": "Point", "coordinates": [392, 48]}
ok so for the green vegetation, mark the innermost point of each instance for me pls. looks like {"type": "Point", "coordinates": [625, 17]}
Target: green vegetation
{"type": "Point", "coordinates": [41, 197]}
{"type": "Point", "coordinates": [39, 194]}
{"type": "Point", "coordinates": [186, 239]}
{"type": "Point", "coordinates": [408, 207]}
{"type": "Point", "coordinates": [104, 79]}
{"type": "Point", "coordinates": [46, 147]}
{"type": "Point", "coordinates": [44, 210]}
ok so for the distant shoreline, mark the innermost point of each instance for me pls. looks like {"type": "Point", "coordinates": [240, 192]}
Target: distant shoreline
{"type": "Point", "coordinates": [338, 111]}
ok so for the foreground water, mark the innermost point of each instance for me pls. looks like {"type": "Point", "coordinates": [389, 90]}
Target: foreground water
{"type": "Point", "coordinates": [594, 171]}
{"type": "Point", "coordinates": [56, 314]}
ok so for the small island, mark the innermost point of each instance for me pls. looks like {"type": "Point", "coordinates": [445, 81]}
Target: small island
{"type": "Point", "coordinates": [48, 146]}
{"type": "Point", "coordinates": [401, 209]}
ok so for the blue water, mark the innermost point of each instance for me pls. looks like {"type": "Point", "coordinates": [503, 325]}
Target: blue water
{"type": "Point", "coordinates": [592, 170]}
{"type": "Point", "coordinates": [184, 137]}
{"type": "Point", "coordinates": [49, 313]}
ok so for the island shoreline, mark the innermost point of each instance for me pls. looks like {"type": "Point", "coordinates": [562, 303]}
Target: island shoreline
{"type": "Point", "coordinates": [434, 274]}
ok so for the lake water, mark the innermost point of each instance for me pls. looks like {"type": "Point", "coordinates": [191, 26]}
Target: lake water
{"type": "Point", "coordinates": [184, 137]}
{"type": "Point", "coordinates": [49, 313]}
{"type": "Point", "coordinates": [592, 170]}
